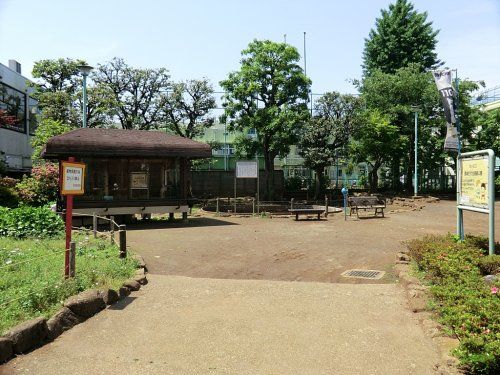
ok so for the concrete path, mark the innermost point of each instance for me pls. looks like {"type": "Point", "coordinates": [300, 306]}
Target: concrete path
{"type": "Point", "coordinates": [181, 325]}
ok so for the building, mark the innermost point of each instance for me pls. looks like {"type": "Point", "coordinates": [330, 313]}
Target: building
{"type": "Point", "coordinates": [129, 171]}
{"type": "Point", "coordinates": [18, 120]}
{"type": "Point", "coordinates": [224, 158]}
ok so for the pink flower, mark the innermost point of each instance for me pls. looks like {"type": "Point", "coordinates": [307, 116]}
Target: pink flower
{"type": "Point", "coordinates": [494, 290]}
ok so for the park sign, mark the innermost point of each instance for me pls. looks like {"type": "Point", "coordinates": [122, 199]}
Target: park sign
{"type": "Point", "coordinates": [247, 169]}
{"type": "Point", "coordinates": [476, 189]}
{"type": "Point", "coordinates": [73, 178]}
{"type": "Point", "coordinates": [447, 93]}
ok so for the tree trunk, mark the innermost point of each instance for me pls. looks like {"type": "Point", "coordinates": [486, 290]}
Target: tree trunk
{"type": "Point", "coordinates": [319, 180]}
{"type": "Point", "coordinates": [269, 175]}
{"type": "Point", "coordinates": [409, 167]}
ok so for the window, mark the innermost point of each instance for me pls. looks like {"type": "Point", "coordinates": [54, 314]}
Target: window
{"type": "Point", "coordinates": [12, 108]}
{"type": "Point", "coordinates": [33, 113]}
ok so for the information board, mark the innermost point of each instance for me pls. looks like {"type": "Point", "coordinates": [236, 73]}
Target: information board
{"type": "Point", "coordinates": [139, 180]}
{"type": "Point", "coordinates": [73, 178]}
{"type": "Point", "coordinates": [247, 169]}
{"type": "Point", "coordinates": [474, 189]}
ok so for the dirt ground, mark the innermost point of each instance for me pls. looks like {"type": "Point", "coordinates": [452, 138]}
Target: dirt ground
{"type": "Point", "coordinates": [280, 248]}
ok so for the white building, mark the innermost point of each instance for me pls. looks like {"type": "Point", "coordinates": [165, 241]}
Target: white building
{"type": "Point", "coordinates": [17, 118]}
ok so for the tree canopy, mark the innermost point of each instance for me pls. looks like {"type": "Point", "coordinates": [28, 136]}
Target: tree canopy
{"type": "Point", "coordinates": [401, 36]}
{"type": "Point", "coordinates": [328, 132]}
{"type": "Point", "coordinates": [186, 109]}
{"type": "Point", "coordinates": [269, 94]}
{"type": "Point", "coordinates": [135, 91]}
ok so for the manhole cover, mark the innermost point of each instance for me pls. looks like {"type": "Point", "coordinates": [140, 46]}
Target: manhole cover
{"type": "Point", "coordinates": [364, 274]}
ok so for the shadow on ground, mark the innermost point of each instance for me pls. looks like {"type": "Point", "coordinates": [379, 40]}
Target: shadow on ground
{"type": "Point", "coordinates": [195, 222]}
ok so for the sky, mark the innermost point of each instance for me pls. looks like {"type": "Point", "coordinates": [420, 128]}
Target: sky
{"type": "Point", "coordinates": [196, 39]}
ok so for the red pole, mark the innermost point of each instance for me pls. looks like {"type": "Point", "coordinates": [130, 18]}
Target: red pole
{"type": "Point", "coordinates": [69, 224]}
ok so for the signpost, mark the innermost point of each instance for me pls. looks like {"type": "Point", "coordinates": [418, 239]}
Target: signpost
{"type": "Point", "coordinates": [476, 189]}
{"type": "Point", "coordinates": [246, 169]}
{"type": "Point", "coordinates": [72, 183]}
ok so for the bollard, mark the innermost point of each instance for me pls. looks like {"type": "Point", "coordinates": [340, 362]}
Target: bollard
{"type": "Point", "coordinates": [217, 206]}
{"type": "Point", "coordinates": [253, 206]}
{"type": "Point", "coordinates": [345, 192]}
{"type": "Point", "coordinates": [123, 241]}
{"type": "Point", "coordinates": [326, 205]}
{"type": "Point", "coordinates": [72, 258]}
{"type": "Point", "coordinates": [94, 224]}
{"type": "Point", "coordinates": [112, 229]}
{"type": "Point", "coordinates": [291, 203]}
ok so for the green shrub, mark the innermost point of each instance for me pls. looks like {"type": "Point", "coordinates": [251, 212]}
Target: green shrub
{"type": "Point", "coordinates": [8, 197]}
{"type": "Point", "coordinates": [293, 183]}
{"type": "Point", "coordinates": [468, 306]}
{"type": "Point", "coordinates": [24, 222]}
{"type": "Point", "coordinates": [490, 265]}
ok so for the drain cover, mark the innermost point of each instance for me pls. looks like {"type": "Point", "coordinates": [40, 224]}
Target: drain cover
{"type": "Point", "coordinates": [364, 274]}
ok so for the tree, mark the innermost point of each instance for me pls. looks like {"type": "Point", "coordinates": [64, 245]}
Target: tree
{"type": "Point", "coordinates": [401, 36]}
{"type": "Point", "coordinates": [395, 95]}
{"type": "Point", "coordinates": [330, 129]}
{"type": "Point", "coordinates": [186, 109]}
{"type": "Point", "coordinates": [136, 92]}
{"type": "Point", "coordinates": [269, 94]}
{"type": "Point", "coordinates": [487, 131]}
{"type": "Point", "coordinates": [59, 94]}
{"type": "Point", "coordinates": [57, 75]}
{"type": "Point", "coordinates": [47, 129]}
{"type": "Point", "coordinates": [375, 142]}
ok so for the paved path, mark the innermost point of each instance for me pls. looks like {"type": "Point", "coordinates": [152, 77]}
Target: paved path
{"type": "Point", "coordinates": [180, 325]}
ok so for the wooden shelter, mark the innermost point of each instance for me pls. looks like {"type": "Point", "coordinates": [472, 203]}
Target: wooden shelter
{"type": "Point", "coordinates": [129, 171]}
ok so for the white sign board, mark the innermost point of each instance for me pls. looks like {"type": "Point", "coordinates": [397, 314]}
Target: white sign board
{"type": "Point", "coordinates": [247, 169]}
{"type": "Point", "coordinates": [73, 175]}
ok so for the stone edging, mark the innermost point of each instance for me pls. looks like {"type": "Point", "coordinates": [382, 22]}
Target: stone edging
{"type": "Point", "coordinates": [76, 309]}
{"type": "Point", "coordinates": [417, 297]}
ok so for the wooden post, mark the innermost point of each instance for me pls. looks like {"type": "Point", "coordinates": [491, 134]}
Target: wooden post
{"type": "Point", "coordinates": [291, 203]}
{"type": "Point", "coordinates": [94, 224]}
{"type": "Point", "coordinates": [72, 258]}
{"type": "Point", "coordinates": [253, 206]}
{"type": "Point", "coordinates": [326, 205]}
{"type": "Point", "coordinates": [123, 240]}
{"type": "Point", "coordinates": [185, 217]}
{"type": "Point", "coordinates": [112, 229]}
{"type": "Point", "coordinates": [217, 206]}
{"type": "Point", "coordinates": [171, 216]}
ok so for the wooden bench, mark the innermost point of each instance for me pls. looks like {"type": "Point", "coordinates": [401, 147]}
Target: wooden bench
{"type": "Point", "coordinates": [306, 211]}
{"type": "Point", "coordinates": [368, 202]}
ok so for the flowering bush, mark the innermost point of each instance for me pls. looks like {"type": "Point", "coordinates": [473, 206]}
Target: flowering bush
{"type": "Point", "coordinates": [465, 302]}
{"type": "Point", "coordinates": [41, 187]}
{"type": "Point", "coordinates": [8, 182]}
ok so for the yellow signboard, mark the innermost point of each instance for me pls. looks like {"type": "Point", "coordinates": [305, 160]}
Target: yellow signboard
{"type": "Point", "coordinates": [474, 182]}
{"type": "Point", "coordinates": [73, 178]}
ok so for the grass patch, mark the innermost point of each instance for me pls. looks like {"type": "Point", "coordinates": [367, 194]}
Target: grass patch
{"type": "Point", "coordinates": [31, 274]}
{"type": "Point", "coordinates": [467, 306]}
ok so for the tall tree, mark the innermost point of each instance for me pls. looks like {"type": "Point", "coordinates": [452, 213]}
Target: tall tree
{"type": "Point", "coordinates": [375, 142]}
{"type": "Point", "coordinates": [136, 92]}
{"type": "Point", "coordinates": [269, 94]}
{"type": "Point", "coordinates": [57, 75]}
{"type": "Point", "coordinates": [186, 109]}
{"type": "Point", "coordinates": [59, 94]}
{"type": "Point", "coordinates": [401, 36]}
{"type": "Point", "coordinates": [395, 95]}
{"type": "Point", "coordinates": [329, 131]}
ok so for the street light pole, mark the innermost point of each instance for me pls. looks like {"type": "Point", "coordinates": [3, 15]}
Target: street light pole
{"type": "Point", "coordinates": [415, 189]}
{"type": "Point", "coordinates": [415, 184]}
{"type": "Point", "coordinates": [84, 70]}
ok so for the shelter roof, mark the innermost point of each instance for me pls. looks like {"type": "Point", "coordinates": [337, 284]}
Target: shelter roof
{"type": "Point", "coordinates": [94, 142]}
